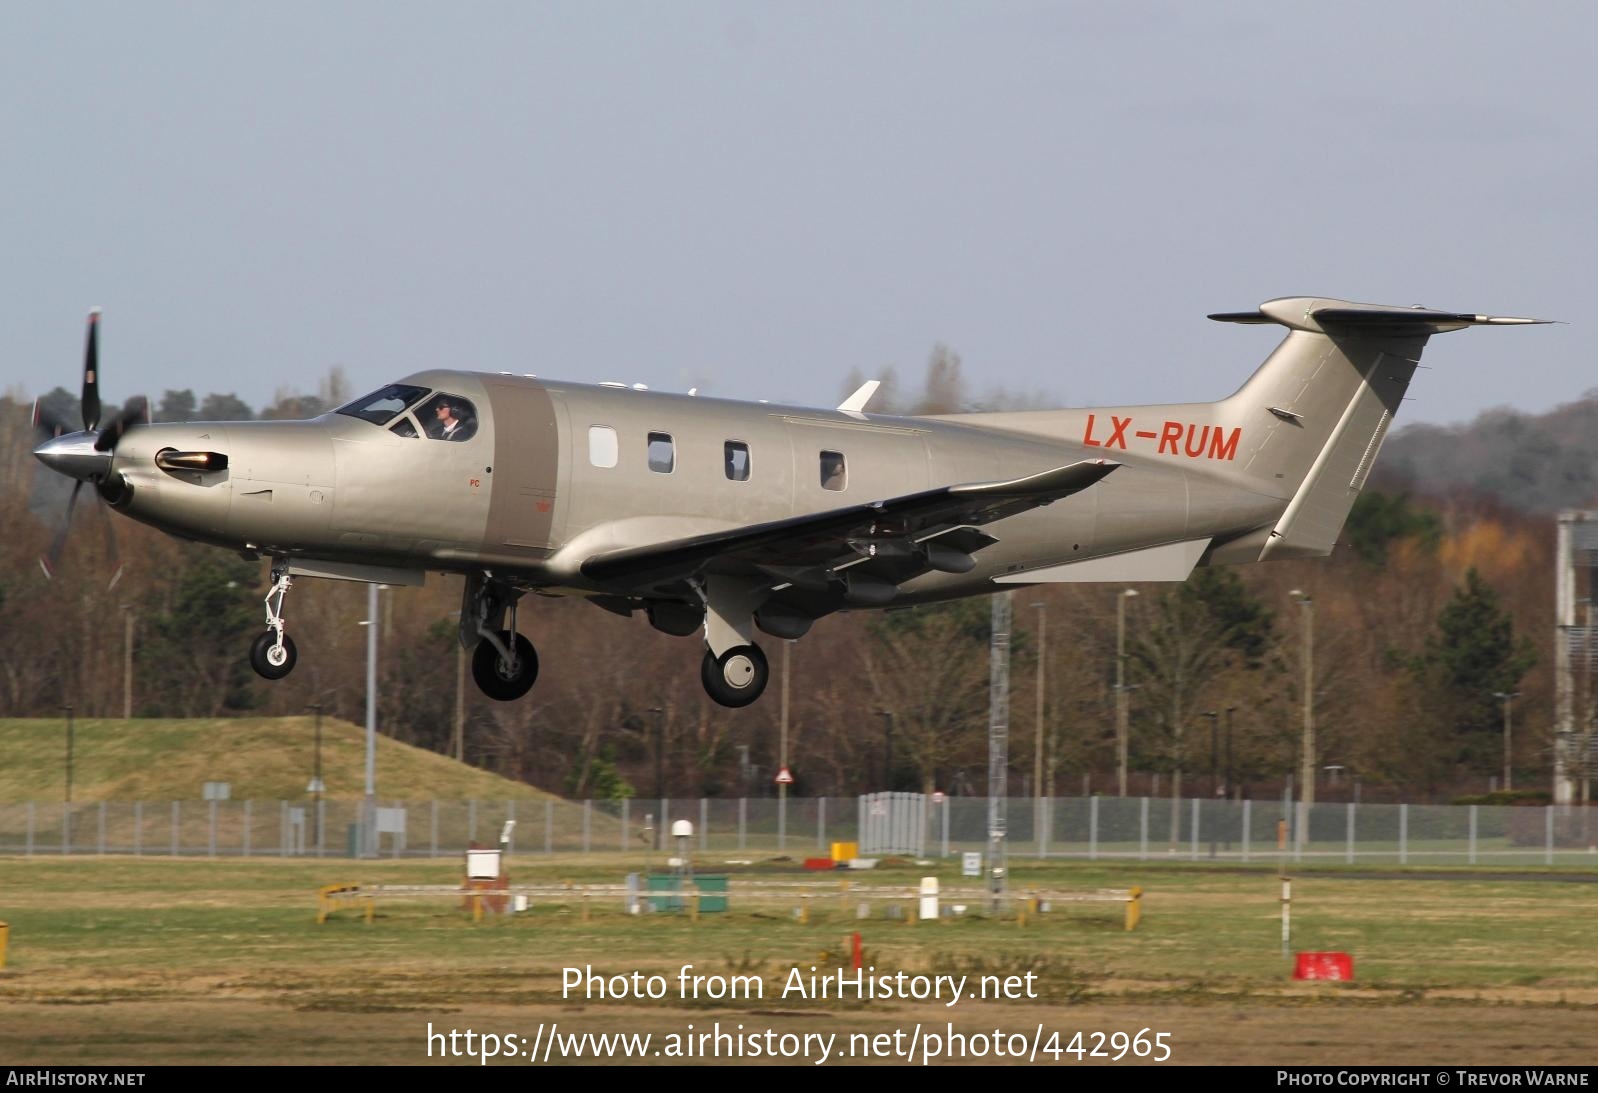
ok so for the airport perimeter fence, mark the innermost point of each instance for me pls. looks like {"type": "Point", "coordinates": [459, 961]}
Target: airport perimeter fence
{"type": "Point", "coordinates": [754, 829]}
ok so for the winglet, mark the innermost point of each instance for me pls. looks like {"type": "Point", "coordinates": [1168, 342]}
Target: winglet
{"type": "Point", "coordinates": [857, 401]}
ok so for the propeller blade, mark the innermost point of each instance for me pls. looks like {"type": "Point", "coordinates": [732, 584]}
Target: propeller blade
{"type": "Point", "coordinates": [91, 374]}
{"type": "Point", "coordinates": [53, 557]}
{"type": "Point", "coordinates": [135, 412]}
{"type": "Point", "coordinates": [46, 424]}
{"type": "Point", "coordinates": [113, 555]}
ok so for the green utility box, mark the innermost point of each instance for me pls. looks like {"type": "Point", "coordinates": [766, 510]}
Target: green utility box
{"type": "Point", "coordinates": [712, 893]}
{"type": "Point", "coordinates": [665, 883]}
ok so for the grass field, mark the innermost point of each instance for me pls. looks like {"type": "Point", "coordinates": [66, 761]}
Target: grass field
{"type": "Point", "coordinates": [262, 758]}
{"type": "Point", "coordinates": [126, 961]}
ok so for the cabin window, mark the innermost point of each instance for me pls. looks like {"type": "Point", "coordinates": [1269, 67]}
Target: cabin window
{"type": "Point", "coordinates": [662, 454]}
{"type": "Point", "coordinates": [834, 475]}
{"type": "Point", "coordinates": [403, 427]}
{"type": "Point", "coordinates": [604, 450]}
{"type": "Point", "coordinates": [736, 460]}
{"type": "Point", "coordinates": [448, 417]}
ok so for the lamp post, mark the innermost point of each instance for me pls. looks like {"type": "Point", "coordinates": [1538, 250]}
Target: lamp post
{"type": "Point", "coordinates": [1508, 697]}
{"type": "Point", "coordinates": [1215, 720]}
{"type": "Point", "coordinates": [1120, 689]}
{"type": "Point", "coordinates": [68, 710]}
{"type": "Point", "coordinates": [887, 748]}
{"type": "Point", "coordinates": [1306, 799]}
{"type": "Point", "coordinates": [660, 779]}
{"type": "Point", "coordinates": [1037, 743]}
{"type": "Point", "coordinates": [1226, 766]}
{"type": "Point", "coordinates": [369, 804]}
{"type": "Point", "coordinates": [127, 662]}
{"type": "Point", "coordinates": [782, 756]}
{"type": "Point", "coordinates": [316, 787]}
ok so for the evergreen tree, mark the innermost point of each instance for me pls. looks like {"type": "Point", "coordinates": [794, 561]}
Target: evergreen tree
{"type": "Point", "coordinates": [1472, 657]}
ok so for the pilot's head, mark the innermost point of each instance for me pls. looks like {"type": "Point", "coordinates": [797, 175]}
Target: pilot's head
{"type": "Point", "coordinates": [445, 412]}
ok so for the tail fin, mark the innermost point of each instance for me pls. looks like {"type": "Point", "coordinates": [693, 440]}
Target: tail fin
{"type": "Point", "coordinates": [1305, 428]}
{"type": "Point", "coordinates": [1319, 408]}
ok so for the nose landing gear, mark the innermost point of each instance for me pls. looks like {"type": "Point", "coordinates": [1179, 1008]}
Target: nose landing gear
{"type": "Point", "coordinates": [272, 654]}
{"type": "Point", "coordinates": [504, 663]}
{"type": "Point", "coordinates": [501, 677]}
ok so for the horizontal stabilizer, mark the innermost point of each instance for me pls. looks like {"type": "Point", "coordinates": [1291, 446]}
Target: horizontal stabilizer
{"type": "Point", "coordinates": [1319, 316]}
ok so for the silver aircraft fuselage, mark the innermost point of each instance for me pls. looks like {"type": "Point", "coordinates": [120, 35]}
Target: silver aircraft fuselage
{"type": "Point", "coordinates": [524, 498]}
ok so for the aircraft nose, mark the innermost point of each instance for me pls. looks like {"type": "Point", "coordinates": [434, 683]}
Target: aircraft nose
{"type": "Point", "coordinates": [74, 455]}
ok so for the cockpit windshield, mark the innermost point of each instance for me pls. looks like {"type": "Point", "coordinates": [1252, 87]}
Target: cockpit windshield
{"type": "Point", "coordinates": [381, 407]}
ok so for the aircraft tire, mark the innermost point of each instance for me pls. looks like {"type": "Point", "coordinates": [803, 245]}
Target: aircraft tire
{"type": "Point", "coordinates": [490, 675]}
{"type": "Point", "coordinates": [269, 661]}
{"type": "Point", "coordinates": [737, 677]}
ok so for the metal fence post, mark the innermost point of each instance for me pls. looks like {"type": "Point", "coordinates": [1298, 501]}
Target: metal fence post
{"type": "Point", "coordinates": [1247, 816]}
{"type": "Point", "coordinates": [704, 824]}
{"type": "Point", "coordinates": [588, 813]}
{"type": "Point", "coordinates": [101, 840]}
{"type": "Point", "coordinates": [549, 825]}
{"type": "Point", "coordinates": [433, 850]}
{"type": "Point", "coordinates": [1350, 856]}
{"type": "Point", "coordinates": [1472, 855]}
{"type": "Point", "coordinates": [743, 822]}
{"type": "Point", "coordinates": [246, 829]}
{"type": "Point", "coordinates": [30, 829]}
{"type": "Point", "coordinates": [1195, 829]}
{"type": "Point", "coordinates": [471, 819]}
{"type": "Point", "coordinates": [176, 819]}
{"type": "Point", "coordinates": [1143, 831]}
{"type": "Point", "coordinates": [138, 828]}
{"type": "Point", "coordinates": [1548, 824]}
{"type": "Point", "coordinates": [1093, 828]}
{"type": "Point", "coordinates": [624, 811]}
{"type": "Point", "coordinates": [1403, 834]}
{"type": "Point", "coordinates": [821, 823]}
{"type": "Point", "coordinates": [210, 835]}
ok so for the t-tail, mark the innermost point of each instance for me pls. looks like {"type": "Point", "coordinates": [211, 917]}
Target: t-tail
{"type": "Point", "coordinates": [1305, 428]}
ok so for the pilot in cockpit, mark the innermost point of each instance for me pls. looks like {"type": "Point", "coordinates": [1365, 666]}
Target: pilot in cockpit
{"type": "Point", "coordinates": [448, 424]}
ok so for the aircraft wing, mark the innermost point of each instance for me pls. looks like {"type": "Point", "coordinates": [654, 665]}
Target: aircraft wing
{"type": "Point", "coordinates": [808, 550]}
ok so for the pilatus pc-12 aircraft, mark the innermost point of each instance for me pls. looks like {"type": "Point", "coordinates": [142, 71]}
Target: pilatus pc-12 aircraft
{"type": "Point", "coordinates": [718, 517]}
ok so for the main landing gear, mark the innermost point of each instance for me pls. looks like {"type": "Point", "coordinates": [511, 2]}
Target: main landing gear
{"type": "Point", "coordinates": [737, 677]}
{"type": "Point", "coordinates": [272, 654]}
{"type": "Point", "coordinates": [734, 670]}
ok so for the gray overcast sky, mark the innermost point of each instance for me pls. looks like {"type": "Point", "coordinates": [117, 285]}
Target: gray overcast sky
{"type": "Point", "coordinates": [758, 197]}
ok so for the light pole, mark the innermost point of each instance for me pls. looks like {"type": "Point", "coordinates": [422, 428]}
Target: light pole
{"type": "Point", "coordinates": [317, 787]}
{"type": "Point", "coordinates": [887, 749]}
{"type": "Point", "coordinates": [1215, 720]}
{"type": "Point", "coordinates": [369, 843]}
{"type": "Point", "coordinates": [1120, 689]}
{"type": "Point", "coordinates": [660, 779]}
{"type": "Point", "coordinates": [127, 662]}
{"type": "Point", "coordinates": [1306, 797]}
{"type": "Point", "coordinates": [68, 709]}
{"type": "Point", "coordinates": [782, 757]}
{"type": "Point", "coordinates": [1508, 697]}
{"type": "Point", "coordinates": [1037, 749]}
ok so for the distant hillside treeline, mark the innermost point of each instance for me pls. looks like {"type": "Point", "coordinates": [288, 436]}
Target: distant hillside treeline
{"type": "Point", "coordinates": [1535, 462]}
